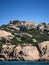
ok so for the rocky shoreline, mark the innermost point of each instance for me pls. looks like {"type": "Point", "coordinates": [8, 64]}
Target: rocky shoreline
{"type": "Point", "coordinates": [25, 52]}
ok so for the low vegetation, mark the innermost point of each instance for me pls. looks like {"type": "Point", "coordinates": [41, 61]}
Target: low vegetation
{"type": "Point", "coordinates": [35, 32]}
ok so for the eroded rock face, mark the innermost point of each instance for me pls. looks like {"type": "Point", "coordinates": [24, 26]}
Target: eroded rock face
{"type": "Point", "coordinates": [17, 51]}
{"type": "Point", "coordinates": [27, 52]}
{"type": "Point", "coordinates": [8, 51]}
{"type": "Point", "coordinates": [8, 48]}
{"type": "Point", "coordinates": [44, 48]}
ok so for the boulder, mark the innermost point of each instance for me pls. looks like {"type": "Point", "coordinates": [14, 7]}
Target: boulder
{"type": "Point", "coordinates": [27, 52]}
{"type": "Point", "coordinates": [2, 59]}
{"type": "Point", "coordinates": [34, 40]}
{"type": "Point", "coordinates": [44, 48]}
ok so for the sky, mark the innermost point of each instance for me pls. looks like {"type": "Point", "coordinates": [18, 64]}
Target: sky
{"type": "Point", "coordinates": [25, 10]}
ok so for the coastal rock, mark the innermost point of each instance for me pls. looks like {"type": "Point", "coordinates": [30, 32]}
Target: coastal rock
{"type": "Point", "coordinates": [30, 53]}
{"type": "Point", "coordinates": [8, 51]}
{"type": "Point", "coordinates": [27, 52]}
{"type": "Point", "coordinates": [16, 52]}
{"type": "Point", "coordinates": [2, 59]}
{"type": "Point", "coordinates": [8, 48]}
{"type": "Point", "coordinates": [44, 48]}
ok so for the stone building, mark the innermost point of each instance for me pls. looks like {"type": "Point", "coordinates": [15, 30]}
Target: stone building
{"type": "Point", "coordinates": [28, 24]}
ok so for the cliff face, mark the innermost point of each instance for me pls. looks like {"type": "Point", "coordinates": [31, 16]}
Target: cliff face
{"type": "Point", "coordinates": [20, 52]}
{"type": "Point", "coordinates": [44, 48]}
{"type": "Point", "coordinates": [26, 52]}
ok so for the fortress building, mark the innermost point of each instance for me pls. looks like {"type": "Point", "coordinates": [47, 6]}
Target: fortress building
{"type": "Point", "coordinates": [29, 24]}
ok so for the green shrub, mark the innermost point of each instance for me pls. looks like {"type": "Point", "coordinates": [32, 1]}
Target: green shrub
{"type": "Point", "coordinates": [4, 40]}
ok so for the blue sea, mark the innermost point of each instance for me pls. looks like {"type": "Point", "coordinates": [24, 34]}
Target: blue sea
{"type": "Point", "coordinates": [22, 63]}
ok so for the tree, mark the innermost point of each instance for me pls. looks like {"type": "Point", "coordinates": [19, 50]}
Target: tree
{"type": "Point", "coordinates": [23, 28]}
{"type": "Point", "coordinates": [4, 40]}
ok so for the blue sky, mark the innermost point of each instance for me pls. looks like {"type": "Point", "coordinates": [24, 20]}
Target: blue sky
{"type": "Point", "coordinates": [32, 10]}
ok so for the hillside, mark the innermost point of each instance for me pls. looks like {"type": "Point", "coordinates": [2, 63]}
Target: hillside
{"type": "Point", "coordinates": [22, 40]}
{"type": "Point", "coordinates": [23, 33]}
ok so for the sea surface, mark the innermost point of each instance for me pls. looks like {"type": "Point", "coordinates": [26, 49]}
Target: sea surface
{"type": "Point", "coordinates": [22, 63]}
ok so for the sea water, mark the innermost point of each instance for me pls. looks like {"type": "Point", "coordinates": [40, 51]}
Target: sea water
{"type": "Point", "coordinates": [22, 63]}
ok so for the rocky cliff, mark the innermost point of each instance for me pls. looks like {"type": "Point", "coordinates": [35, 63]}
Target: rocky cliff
{"type": "Point", "coordinates": [26, 52]}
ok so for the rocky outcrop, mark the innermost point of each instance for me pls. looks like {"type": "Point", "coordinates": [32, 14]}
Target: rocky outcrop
{"type": "Point", "coordinates": [8, 51]}
{"type": "Point", "coordinates": [26, 52]}
{"type": "Point", "coordinates": [5, 34]}
{"type": "Point", "coordinates": [8, 48]}
{"type": "Point", "coordinates": [2, 57]}
{"type": "Point", "coordinates": [14, 27]}
{"type": "Point", "coordinates": [44, 48]}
